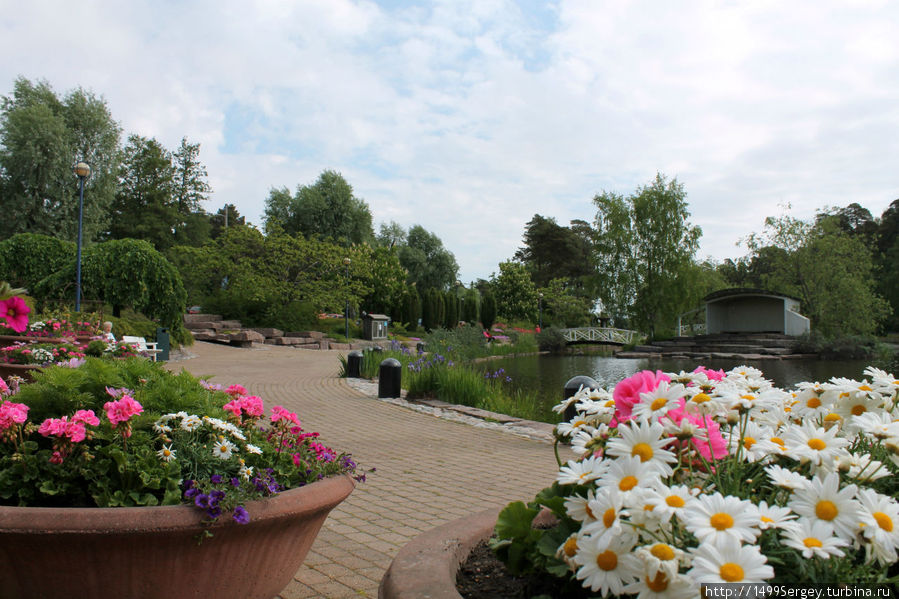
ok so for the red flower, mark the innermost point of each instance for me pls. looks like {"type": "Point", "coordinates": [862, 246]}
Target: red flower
{"type": "Point", "coordinates": [15, 312]}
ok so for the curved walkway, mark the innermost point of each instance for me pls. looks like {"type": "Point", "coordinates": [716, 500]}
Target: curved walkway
{"type": "Point", "coordinates": [429, 470]}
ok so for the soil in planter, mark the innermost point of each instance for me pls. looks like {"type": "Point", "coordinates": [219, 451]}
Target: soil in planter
{"type": "Point", "coordinates": [483, 576]}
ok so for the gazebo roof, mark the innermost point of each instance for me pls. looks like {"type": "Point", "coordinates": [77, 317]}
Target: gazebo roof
{"type": "Point", "coordinates": [744, 291]}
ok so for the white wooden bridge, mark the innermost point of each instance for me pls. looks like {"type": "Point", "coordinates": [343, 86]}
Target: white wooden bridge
{"type": "Point", "coordinates": [600, 335]}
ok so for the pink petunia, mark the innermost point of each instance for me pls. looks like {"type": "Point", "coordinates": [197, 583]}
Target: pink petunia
{"type": "Point", "coordinates": [627, 392]}
{"type": "Point", "coordinates": [15, 311]}
{"type": "Point", "coordinates": [122, 410]}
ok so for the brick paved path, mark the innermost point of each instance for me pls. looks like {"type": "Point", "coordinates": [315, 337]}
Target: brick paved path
{"type": "Point", "coordinates": [429, 470]}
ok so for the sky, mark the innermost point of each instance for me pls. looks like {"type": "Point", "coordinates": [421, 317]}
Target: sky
{"type": "Point", "coordinates": [468, 117]}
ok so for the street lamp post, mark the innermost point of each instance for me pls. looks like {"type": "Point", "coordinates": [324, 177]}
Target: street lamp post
{"type": "Point", "coordinates": [539, 312]}
{"type": "Point", "coordinates": [82, 171]}
{"type": "Point", "coordinates": [346, 310]}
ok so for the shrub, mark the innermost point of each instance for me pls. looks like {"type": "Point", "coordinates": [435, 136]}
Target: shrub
{"type": "Point", "coordinates": [552, 340]}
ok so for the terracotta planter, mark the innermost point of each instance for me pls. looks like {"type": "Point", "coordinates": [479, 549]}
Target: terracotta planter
{"type": "Point", "coordinates": [153, 551]}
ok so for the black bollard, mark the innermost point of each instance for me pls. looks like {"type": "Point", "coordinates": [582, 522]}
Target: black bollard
{"type": "Point", "coordinates": [354, 364]}
{"type": "Point", "coordinates": [572, 387]}
{"type": "Point", "coordinates": [390, 375]}
{"type": "Point", "coordinates": [420, 347]}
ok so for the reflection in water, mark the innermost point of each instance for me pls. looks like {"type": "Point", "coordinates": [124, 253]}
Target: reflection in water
{"type": "Point", "coordinates": [548, 374]}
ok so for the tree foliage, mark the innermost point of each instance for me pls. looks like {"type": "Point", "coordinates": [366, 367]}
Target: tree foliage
{"type": "Point", "coordinates": [28, 258]}
{"type": "Point", "coordinates": [42, 136]}
{"type": "Point", "coordinates": [428, 263]}
{"type": "Point", "coordinates": [643, 245]}
{"type": "Point", "coordinates": [516, 294]}
{"type": "Point", "coordinates": [327, 208]}
{"type": "Point", "coordinates": [562, 308]}
{"type": "Point", "coordinates": [552, 251]}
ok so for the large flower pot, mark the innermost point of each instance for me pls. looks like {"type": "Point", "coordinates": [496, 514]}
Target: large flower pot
{"type": "Point", "coordinates": [153, 551]}
{"type": "Point", "coordinates": [23, 370]}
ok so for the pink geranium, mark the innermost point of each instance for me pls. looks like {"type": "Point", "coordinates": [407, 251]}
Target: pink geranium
{"type": "Point", "coordinates": [122, 410]}
{"type": "Point", "coordinates": [627, 392]}
{"type": "Point", "coordinates": [236, 390]}
{"type": "Point", "coordinates": [12, 413]}
{"type": "Point", "coordinates": [279, 413]}
{"type": "Point", "coordinates": [712, 375]}
{"type": "Point", "coordinates": [87, 417]}
{"type": "Point", "coordinates": [15, 311]}
{"type": "Point", "coordinates": [250, 405]}
{"type": "Point", "coordinates": [713, 448]}
{"type": "Point", "coordinates": [4, 388]}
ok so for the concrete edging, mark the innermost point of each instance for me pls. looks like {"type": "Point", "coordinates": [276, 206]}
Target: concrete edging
{"type": "Point", "coordinates": [426, 567]}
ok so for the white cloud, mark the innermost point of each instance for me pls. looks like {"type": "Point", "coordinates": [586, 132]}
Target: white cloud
{"type": "Point", "coordinates": [470, 117]}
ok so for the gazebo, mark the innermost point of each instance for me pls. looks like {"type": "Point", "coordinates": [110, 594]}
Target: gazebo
{"type": "Point", "coordinates": [745, 310]}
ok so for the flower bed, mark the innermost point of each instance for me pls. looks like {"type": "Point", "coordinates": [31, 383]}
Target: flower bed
{"type": "Point", "coordinates": [690, 479]}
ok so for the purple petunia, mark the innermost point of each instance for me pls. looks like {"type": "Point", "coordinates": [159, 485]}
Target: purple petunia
{"type": "Point", "coordinates": [241, 515]}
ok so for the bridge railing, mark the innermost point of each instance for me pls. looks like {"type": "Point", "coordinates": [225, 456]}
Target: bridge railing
{"type": "Point", "coordinates": [600, 335]}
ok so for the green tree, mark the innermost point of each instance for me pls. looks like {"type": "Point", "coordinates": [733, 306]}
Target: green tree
{"type": "Point", "coordinates": [471, 301]}
{"type": "Point", "coordinates": [644, 244]}
{"type": "Point", "coordinates": [144, 205]}
{"type": "Point", "coordinates": [326, 208]}
{"type": "Point", "coordinates": [451, 310]}
{"type": "Point", "coordinates": [429, 264]}
{"type": "Point", "coordinates": [552, 251]}
{"type": "Point", "coordinates": [516, 295]}
{"type": "Point", "coordinates": [391, 235]}
{"type": "Point", "coordinates": [562, 308]}
{"type": "Point", "coordinates": [830, 270]}
{"type": "Point", "coordinates": [42, 136]}
{"type": "Point", "coordinates": [191, 187]}
{"type": "Point", "coordinates": [488, 309]}
{"type": "Point", "coordinates": [28, 258]}
{"type": "Point", "coordinates": [225, 218]}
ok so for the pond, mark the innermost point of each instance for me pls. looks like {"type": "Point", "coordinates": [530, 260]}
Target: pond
{"type": "Point", "coordinates": [548, 374]}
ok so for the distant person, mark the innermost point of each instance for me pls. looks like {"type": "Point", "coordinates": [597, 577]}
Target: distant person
{"type": "Point", "coordinates": [107, 332]}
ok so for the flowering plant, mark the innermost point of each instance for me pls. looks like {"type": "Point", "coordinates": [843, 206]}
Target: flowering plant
{"type": "Point", "coordinates": [688, 479]}
{"type": "Point", "coordinates": [64, 327]}
{"type": "Point", "coordinates": [40, 353]}
{"type": "Point", "coordinates": [129, 433]}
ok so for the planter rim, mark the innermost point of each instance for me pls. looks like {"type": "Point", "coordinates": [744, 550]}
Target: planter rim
{"type": "Point", "coordinates": [427, 565]}
{"type": "Point", "coordinates": [100, 521]}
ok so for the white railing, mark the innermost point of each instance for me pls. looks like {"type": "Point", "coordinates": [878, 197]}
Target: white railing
{"type": "Point", "coordinates": [600, 335]}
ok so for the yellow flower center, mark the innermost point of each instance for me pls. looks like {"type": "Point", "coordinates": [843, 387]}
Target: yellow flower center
{"type": "Point", "coordinates": [589, 512]}
{"type": "Point", "coordinates": [748, 397]}
{"type": "Point", "coordinates": [748, 442]}
{"type": "Point", "coordinates": [767, 520]}
{"type": "Point", "coordinates": [607, 560]}
{"type": "Point", "coordinates": [627, 483]}
{"type": "Point", "coordinates": [858, 410]}
{"type": "Point", "coordinates": [865, 388]}
{"type": "Point", "coordinates": [813, 403]}
{"type": "Point", "coordinates": [812, 542]}
{"type": "Point", "coordinates": [658, 404]}
{"type": "Point", "coordinates": [778, 441]}
{"type": "Point", "coordinates": [832, 417]}
{"type": "Point", "coordinates": [731, 572]}
{"type": "Point", "coordinates": [826, 510]}
{"type": "Point", "coordinates": [674, 501]}
{"type": "Point", "coordinates": [817, 444]}
{"type": "Point", "coordinates": [659, 584]}
{"type": "Point", "coordinates": [610, 404]}
{"type": "Point", "coordinates": [884, 521]}
{"type": "Point", "coordinates": [608, 518]}
{"type": "Point", "coordinates": [570, 547]}
{"type": "Point", "coordinates": [721, 521]}
{"type": "Point", "coordinates": [578, 423]}
{"type": "Point", "coordinates": [701, 398]}
{"type": "Point", "coordinates": [662, 551]}
{"type": "Point", "coordinates": [643, 450]}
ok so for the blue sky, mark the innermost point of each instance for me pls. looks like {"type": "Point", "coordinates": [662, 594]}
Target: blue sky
{"type": "Point", "coordinates": [469, 117]}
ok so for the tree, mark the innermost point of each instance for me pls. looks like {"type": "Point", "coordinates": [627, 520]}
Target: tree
{"type": "Point", "coordinates": [552, 251]}
{"type": "Point", "coordinates": [644, 243]}
{"type": "Point", "coordinates": [516, 295]}
{"type": "Point", "coordinates": [144, 205]}
{"type": "Point", "coordinates": [41, 138]}
{"type": "Point", "coordinates": [429, 264]}
{"type": "Point", "coordinates": [28, 258]}
{"type": "Point", "coordinates": [471, 306]}
{"type": "Point", "coordinates": [830, 270]}
{"type": "Point", "coordinates": [190, 185]}
{"type": "Point", "coordinates": [326, 208]}
{"type": "Point", "coordinates": [562, 308]}
{"type": "Point", "coordinates": [488, 309]}
{"type": "Point", "coordinates": [391, 235]}
{"type": "Point", "coordinates": [225, 218]}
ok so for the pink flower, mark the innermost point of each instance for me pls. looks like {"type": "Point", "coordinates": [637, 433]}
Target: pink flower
{"type": "Point", "coordinates": [252, 405]}
{"type": "Point", "coordinates": [279, 413]}
{"type": "Point", "coordinates": [236, 390]}
{"type": "Point", "coordinates": [12, 413]}
{"type": "Point", "coordinates": [87, 417]}
{"type": "Point", "coordinates": [75, 431]}
{"type": "Point", "coordinates": [713, 375]}
{"type": "Point", "coordinates": [4, 388]}
{"type": "Point", "coordinates": [233, 406]}
{"type": "Point", "coordinates": [716, 446]}
{"type": "Point", "coordinates": [53, 427]}
{"type": "Point", "coordinates": [122, 410]}
{"type": "Point", "coordinates": [15, 311]}
{"type": "Point", "coordinates": [627, 392]}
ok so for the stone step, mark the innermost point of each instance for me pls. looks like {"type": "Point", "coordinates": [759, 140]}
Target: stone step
{"type": "Point", "coordinates": [214, 325]}
{"type": "Point", "coordinates": [201, 317]}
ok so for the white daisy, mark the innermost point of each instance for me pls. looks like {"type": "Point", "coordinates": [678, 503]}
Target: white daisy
{"type": "Point", "coordinates": [823, 500]}
{"type": "Point", "coordinates": [659, 401]}
{"type": "Point", "coordinates": [711, 517]}
{"type": "Point", "coordinates": [880, 514]}
{"type": "Point", "coordinates": [814, 538]}
{"type": "Point", "coordinates": [166, 454]}
{"type": "Point", "coordinates": [660, 557]}
{"type": "Point", "coordinates": [577, 509]}
{"type": "Point", "coordinates": [643, 440]}
{"type": "Point", "coordinates": [785, 478]}
{"type": "Point", "coordinates": [223, 449]}
{"type": "Point", "coordinates": [629, 472]}
{"type": "Point", "coordinates": [674, 500]}
{"type": "Point", "coordinates": [606, 509]}
{"type": "Point", "coordinates": [582, 472]}
{"type": "Point", "coordinates": [725, 561]}
{"type": "Point", "coordinates": [702, 403]}
{"type": "Point", "coordinates": [661, 586]}
{"type": "Point", "coordinates": [774, 516]}
{"type": "Point", "coordinates": [255, 449]}
{"type": "Point", "coordinates": [191, 422]}
{"type": "Point", "coordinates": [586, 441]}
{"type": "Point", "coordinates": [607, 564]}
{"type": "Point", "coordinates": [817, 445]}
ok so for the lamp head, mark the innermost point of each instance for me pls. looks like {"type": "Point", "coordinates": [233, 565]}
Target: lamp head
{"type": "Point", "coordinates": [82, 169]}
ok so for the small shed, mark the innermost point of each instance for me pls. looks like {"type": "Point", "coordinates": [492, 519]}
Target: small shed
{"type": "Point", "coordinates": [374, 326]}
{"type": "Point", "coordinates": [745, 310]}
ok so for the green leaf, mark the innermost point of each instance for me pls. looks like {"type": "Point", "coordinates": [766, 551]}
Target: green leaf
{"type": "Point", "coordinates": [514, 522]}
